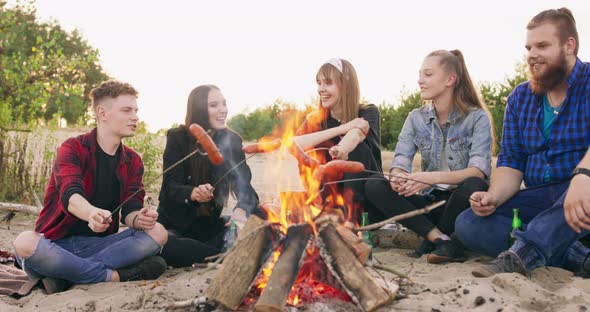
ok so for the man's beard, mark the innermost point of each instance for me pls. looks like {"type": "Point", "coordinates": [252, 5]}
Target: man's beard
{"type": "Point", "coordinates": [554, 74]}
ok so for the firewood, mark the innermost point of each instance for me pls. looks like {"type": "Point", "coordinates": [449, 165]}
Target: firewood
{"type": "Point", "coordinates": [354, 278]}
{"type": "Point", "coordinates": [356, 244]}
{"type": "Point", "coordinates": [242, 264]}
{"type": "Point", "coordinates": [275, 294]}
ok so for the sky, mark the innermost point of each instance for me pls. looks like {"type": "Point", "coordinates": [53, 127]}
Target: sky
{"type": "Point", "coordinates": [258, 51]}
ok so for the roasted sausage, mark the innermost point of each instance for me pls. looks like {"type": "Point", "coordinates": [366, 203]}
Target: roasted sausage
{"type": "Point", "coordinates": [262, 147]}
{"type": "Point", "coordinates": [336, 167]}
{"type": "Point", "coordinates": [302, 157]}
{"type": "Point", "coordinates": [207, 143]}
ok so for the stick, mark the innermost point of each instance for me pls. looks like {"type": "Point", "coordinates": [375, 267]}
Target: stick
{"type": "Point", "coordinates": [232, 169]}
{"type": "Point", "coordinates": [403, 216]}
{"type": "Point", "coordinates": [151, 181]}
{"type": "Point", "coordinates": [435, 186]}
{"type": "Point", "coordinates": [36, 198]}
{"type": "Point", "coordinates": [390, 270]}
{"type": "Point", "coordinates": [211, 258]}
{"type": "Point", "coordinates": [187, 303]}
{"type": "Point", "coordinates": [20, 208]}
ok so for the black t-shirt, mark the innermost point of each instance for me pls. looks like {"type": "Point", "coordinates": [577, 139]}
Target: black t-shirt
{"type": "Point", "coordinates": [106, 189]}
{"type": "Point", "coordinates": [370, 113]}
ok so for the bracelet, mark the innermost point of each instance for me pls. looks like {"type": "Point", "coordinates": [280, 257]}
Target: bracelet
{"type": "Point", "coordinates": [133, 222]}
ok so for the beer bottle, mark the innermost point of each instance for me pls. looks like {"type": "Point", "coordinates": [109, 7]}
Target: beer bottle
{"type": "Point", "coordinates": [367, 236]}
{"type": "Point", "coordinates": [230, 236]}
{"type": "Point", "coordinates": [516, 226]}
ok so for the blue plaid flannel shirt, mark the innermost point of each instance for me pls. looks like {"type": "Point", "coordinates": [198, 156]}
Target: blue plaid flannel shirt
{"type": "Point", "coordinates": [523, 145]}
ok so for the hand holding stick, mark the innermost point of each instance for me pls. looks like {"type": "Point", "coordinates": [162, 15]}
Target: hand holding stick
{"type": "Point", "coordinates": [214, 157]}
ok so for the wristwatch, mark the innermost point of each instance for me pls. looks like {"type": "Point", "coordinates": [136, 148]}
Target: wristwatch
{"type": "Point", "coordinates": [579, 170]}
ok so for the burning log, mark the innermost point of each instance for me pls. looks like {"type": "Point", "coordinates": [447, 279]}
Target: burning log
{"type": "Point", "coordinates": [361, 249]}
{"type": "Point", "coordinates": [284, 273]}
{"type": "Point", "coordinates": [353, 276]}
{"type": "Point", "coordinates": [247, 258]}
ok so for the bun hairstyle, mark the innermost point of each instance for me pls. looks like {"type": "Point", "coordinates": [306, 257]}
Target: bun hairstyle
{"type": "Point", "coordinates": [564, 21]}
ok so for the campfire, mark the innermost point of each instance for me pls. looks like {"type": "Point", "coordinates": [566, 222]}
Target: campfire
{"type": "Point", "coordinates": [305, 251]}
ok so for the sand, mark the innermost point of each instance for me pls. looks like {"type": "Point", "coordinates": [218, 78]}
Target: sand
{"type": "Point", "coordinates": [448, 287]}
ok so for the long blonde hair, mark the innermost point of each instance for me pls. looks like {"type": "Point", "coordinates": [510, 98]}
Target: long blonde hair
{"type": "Point", "coordinates": [465, 95]}
{"type": "Point", "coordinates": [348, 84]}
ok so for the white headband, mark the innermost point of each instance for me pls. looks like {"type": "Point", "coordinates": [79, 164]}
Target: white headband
{"type": "Point", "coordinates": [336, 62]}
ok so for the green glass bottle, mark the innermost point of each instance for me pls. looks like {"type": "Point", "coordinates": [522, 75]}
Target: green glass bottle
{"type": "Point", "coordinates": [230, 236]}
{"type": "Point", "coordinates": [516, 226]}
{"type": "Point", "coordinates": [367, 236]}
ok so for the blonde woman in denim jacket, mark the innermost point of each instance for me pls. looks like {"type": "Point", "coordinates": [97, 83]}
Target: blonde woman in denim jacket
{"type": "Point", "coordinates": [454, 135]}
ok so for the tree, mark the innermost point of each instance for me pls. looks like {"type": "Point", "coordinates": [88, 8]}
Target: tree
{"type": "Point", "coordinates": [393, 118]}
{"type": "Point", "coordinates": [45, 72]}
{"type": "Point", "coordinates": [496, 94]}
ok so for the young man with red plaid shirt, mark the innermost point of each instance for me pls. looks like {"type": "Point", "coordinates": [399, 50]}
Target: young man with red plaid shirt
{"type": "Point", "coordinates": [75, 239]}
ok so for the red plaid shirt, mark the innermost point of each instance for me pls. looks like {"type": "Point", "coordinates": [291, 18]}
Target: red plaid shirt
{"type": "Point", "coordinates": [74, 172]}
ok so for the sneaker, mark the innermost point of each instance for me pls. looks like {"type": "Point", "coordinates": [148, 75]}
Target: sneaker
{"type": "Point", "coordinates": [147, 269]}
{"type": "Point", "coordinates": [425, 247]}
{"type": "Point", "coordinates": [506, 262]}
{"type": "Point", "coordinates": [55, 285]}
{"type": "Point", "coordinates": [446, 251]}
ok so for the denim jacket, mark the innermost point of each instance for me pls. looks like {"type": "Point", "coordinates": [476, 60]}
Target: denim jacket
{"type": "Point", "coordinates": [468, 142]}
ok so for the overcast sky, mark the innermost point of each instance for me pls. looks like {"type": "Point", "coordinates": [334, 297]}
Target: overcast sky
{"type": "Point", "coordinates": [257, 51]}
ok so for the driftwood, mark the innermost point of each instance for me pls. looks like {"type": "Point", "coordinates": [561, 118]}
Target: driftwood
{"type": "Point", "coordinates": [20, 208]}
{"type": "Point", "coordinates": [275, 294]}
{"type": "Point", "coordinates": [354, 278]}
{"type": "Point", "coordinates": [402, 216]}
{"type": "Point", "coordinates": [246, 258]}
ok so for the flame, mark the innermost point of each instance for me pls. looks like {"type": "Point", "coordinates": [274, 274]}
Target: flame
{"type": "Point", "coordinates": [262, 280]}
{"type": "Point", "coordinates": [303, 207]}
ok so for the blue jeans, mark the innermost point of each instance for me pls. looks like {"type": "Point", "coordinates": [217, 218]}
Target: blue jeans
{"type": "Point", "coordinates": [88, 259]}
{"type": "Point", "coordinates": [547, 238]}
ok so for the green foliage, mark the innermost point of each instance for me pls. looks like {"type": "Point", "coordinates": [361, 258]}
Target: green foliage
{"type": "Point", "coordinates": [393, 118]}
{"type": "Point", "coordinates": [45, 72]}
{"type": "Point", "coordinates": [495, 95]}
{"type": "Point", "coordinates": [260, 122]}
{"type": "Point", "coordinates": [151, 148]}
{"type": "Point", "coordinates": [26, 158]}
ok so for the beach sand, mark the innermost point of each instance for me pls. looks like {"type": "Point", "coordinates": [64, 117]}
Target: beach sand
{"type": "Point", "coordinates": [448, 287]}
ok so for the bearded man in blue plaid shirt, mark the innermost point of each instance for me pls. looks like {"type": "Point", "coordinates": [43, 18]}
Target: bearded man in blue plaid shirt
{"type": "Point", "coordinates": [546, 135]}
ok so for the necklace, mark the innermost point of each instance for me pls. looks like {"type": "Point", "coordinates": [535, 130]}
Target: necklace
{"type": "Point", "coordinates": [551, 101]}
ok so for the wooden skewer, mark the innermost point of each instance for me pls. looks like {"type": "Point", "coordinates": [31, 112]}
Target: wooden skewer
{"type": "Point", "coordinates": [403, 216]}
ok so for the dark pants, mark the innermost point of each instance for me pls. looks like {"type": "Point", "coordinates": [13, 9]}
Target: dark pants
{"type": "Point", "coordinates": [547, 238]}
{"type": "Point", "coordinates": [354, 191]}
{"type": "Point", "coordinates": [203, 238]}
{"type": "Point", "coordinates": [387, 203]}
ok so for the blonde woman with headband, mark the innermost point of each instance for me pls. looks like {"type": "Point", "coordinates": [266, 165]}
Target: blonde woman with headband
{"type": "Point", "coordinates": [348, 129]}
{"type": "Point", "coordinates": [453, 133]}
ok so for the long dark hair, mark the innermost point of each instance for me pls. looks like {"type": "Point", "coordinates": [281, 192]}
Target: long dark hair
{"type": "Point", "coordinates": [197, 112]}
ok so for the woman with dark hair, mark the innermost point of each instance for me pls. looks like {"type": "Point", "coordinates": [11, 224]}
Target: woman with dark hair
{"type": "Point", "coordinates": [190, 207]}
{"type": "Point", "coordinates": [454, 135]}
{"type": "Point", "coordinates": [348, 129]}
